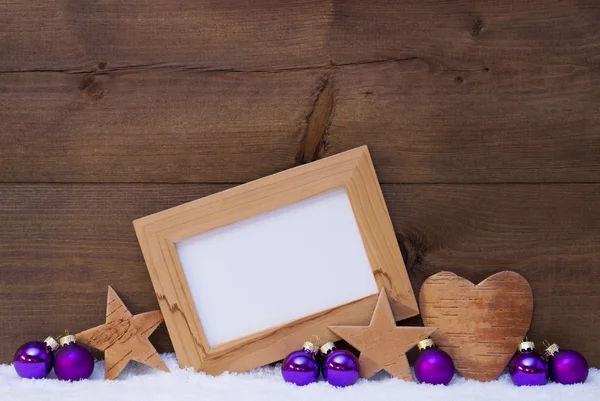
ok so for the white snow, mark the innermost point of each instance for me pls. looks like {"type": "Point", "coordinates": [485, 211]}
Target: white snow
{"type": "Point", "coordinates": [142, 383]}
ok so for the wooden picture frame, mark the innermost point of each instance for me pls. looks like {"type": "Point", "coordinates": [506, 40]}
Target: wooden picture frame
{"type": "Point", "coordinates": [159, 233]}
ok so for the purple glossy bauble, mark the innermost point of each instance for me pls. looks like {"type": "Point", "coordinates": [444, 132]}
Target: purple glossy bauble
{"type": "Point", "coordinates": [528, 369]}
{"type": "Point", "coordinates": [300, 368]}
{"type": "Point", "coordinates": [33, 360]}
{"type": "Point", "coordinates": [341, 368]}
{"type": "Point", "coordinates": [73, 362]}
{"type": "Point", "coordinates": [434, 366]}
{"type": "Point", "coordinates": [568, 367]}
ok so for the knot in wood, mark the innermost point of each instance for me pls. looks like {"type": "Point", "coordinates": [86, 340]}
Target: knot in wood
{"type": "Point", "coordinates": [117, 331]}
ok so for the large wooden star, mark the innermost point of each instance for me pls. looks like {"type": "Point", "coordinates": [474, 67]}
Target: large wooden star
{"type": "Point", "coordinates": [382, 344]}
{"type": "Point", "coordinates": [124, 337]}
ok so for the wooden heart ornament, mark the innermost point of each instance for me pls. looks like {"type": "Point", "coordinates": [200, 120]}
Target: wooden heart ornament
{"type": "Point", "coordinates": [480, 326]}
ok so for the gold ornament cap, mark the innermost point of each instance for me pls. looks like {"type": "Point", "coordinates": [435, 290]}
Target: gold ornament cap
{"type": "Point", "coordinates": [426, 343]}
{"type": "Point", "coordinates": [66, 340]}
{"type": "Point", "coordinates": [551, 349]}
{"type": "Point", "coordinates": [51, 343]}
{"type": "Point", "coordinates": [327, 348]}
{"type": "Point", "coordinates": [310, 347]}
{"type": "Point", "coordinates": [526, 346]}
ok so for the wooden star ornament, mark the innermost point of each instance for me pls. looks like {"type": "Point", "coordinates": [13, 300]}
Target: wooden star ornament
{"type": "Point", "coordinates": [382, 344]}
{"type": "Point", "coordinates": [124, 337]}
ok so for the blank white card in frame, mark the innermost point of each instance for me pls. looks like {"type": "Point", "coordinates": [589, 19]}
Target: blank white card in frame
{"type": "Point", "coordinates": [276, 267]}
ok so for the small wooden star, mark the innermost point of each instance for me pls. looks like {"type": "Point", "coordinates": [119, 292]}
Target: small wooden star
{"type": "Point", "coordinates": [382, 344]}
{"type": "Point", "coordinates": [124, 337]}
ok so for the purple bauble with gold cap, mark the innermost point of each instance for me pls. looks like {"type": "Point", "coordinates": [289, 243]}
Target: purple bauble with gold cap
{"type": "Point", "coordinates": [34, 359]}
{"type": "Point", "coordinates": [73, 362]}
{"type": "Point", "coordinates": [341, 367]}
{"type": "Point", "coordinates": [433, 365]}
{"type": "Point", "coordinates": [301, 367]}
{"type": "Point", "coordinates": [528, 368]}
{"type": "Point", "coordinates": [566, 366]}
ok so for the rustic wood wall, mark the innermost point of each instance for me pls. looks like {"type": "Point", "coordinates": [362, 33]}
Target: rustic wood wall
{"type": "Point", "coordinates": [483, 119]}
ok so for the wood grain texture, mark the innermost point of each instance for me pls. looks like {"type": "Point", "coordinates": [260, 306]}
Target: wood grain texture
{"type": "Point", "coordinates": [207, 34]}
{"type": "Point", "coordinates": [426, 122]}
{"type": "Point", "coordinates": [467, 34]}
{"type": "Point", "coordinates": [480, 326]}
{"type": "Point", "coordinates": [152, 126]}
{"type": "Point", "coordinates": [382, 344]}
{"type": "Point", "coordinates": [269, 35]}
{"type": "Point", "coordinates": [159, 233]}
{"type": "Point", "coordinates": [124, 337]}
{"type": "Point", "coordinates": [515, 123]}
{"type": "Point", "coordinates": [467, 91]}
{"type": "Point", "coordinates": [66, 243]}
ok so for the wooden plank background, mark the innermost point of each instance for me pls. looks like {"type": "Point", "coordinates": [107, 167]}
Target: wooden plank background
{"type": "Point", "coordinates": [482, 117]}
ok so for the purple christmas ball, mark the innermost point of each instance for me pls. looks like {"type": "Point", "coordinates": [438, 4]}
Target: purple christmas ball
{"type": "Point", "coordinates": [300, 367]}
{"type": "Point", "coordinates": [434, 366]}
{"type": "Point", "coordinates": [528, 368]}
{"type": "Point", "coordinates": [341, 368]}
{"type": "Point", "coordinates": [33, 360]}
{"type": "Point", "coordinates": [73, 362]}
{"type": "Point", "coordinates": [566, 366]}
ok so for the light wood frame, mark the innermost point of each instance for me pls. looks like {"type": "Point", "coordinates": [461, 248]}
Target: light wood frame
{"type": "Point", "coordinates": [158, 234]}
